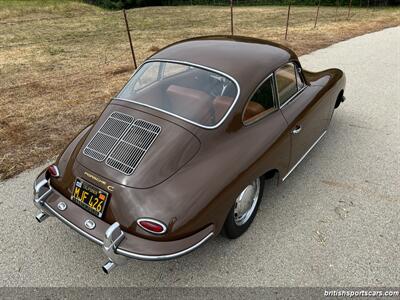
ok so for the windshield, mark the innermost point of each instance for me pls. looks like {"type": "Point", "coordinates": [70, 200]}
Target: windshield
{"type": "Point", "coordinates": [197, 95]}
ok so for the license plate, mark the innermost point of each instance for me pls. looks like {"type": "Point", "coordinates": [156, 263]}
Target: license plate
{"type": "Point", "coordinates": [89, 197]}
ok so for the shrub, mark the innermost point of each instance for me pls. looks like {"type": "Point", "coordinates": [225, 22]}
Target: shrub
{"type": "Point", "coordinates": [119, 4]}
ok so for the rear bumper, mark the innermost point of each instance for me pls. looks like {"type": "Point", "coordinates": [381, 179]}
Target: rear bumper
{"type": "Point", "coordinates": [117, 244]}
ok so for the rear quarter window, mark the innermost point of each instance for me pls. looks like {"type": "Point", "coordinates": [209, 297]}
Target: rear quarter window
{"type": "Point", "coordinates": [261, 103]}
{"type": "Point", "coordinates": [286, 82]}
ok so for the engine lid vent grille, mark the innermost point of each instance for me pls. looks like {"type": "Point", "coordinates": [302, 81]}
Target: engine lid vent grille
{"type": "Point", "coordinates": [131, 148]}
{"type": "Point", "coordinates": [108, 135]}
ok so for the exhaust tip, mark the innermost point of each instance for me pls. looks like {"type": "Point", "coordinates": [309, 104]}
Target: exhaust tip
{"type": "Point", "coordinates": [108, 266]}
{"type": "Point", "coordinates": [40, 217]}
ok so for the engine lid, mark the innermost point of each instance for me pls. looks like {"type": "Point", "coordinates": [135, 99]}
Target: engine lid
{"type": "Point", "coordinates": [136, 149]}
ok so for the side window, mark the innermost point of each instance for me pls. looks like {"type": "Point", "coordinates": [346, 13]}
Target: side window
{"type": "Point", "coordinates": [286, 82]}
{"type": "Point", "coordinates": [261, 102]}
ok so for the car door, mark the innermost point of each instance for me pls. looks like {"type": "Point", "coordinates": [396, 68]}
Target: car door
{"type": "Point", "coordinates": [263, 134]}
{"type": "Point", "coordinates": [297, 106]}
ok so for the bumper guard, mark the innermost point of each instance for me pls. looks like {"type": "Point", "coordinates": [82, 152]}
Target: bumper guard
{"type": "Point", "coordinates": [112, 238]}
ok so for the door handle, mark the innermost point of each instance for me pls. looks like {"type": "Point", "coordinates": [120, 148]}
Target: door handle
{"type": "Point", "coordinates": [297, 129]}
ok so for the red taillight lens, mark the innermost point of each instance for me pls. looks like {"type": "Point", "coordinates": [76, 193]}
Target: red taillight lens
{"type": "Point", "coordinates": [152, 226]}
{"type": "Point", "coordinates": [53, 171]}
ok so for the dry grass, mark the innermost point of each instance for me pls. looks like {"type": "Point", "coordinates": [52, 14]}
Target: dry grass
{"type": "Point", "coordinates": [69, 67]}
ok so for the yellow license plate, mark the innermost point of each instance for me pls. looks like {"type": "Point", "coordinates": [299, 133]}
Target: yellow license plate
{"type": "Point", "coordinates": [89, 197]}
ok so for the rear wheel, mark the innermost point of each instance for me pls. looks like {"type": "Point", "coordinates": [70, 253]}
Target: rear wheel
{"type": "Point", "coordinates": [244, 209]}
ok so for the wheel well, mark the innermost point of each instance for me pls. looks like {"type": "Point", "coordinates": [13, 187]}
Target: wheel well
{"type": "Point", "coordinates": [270, 174]}
{"type": "Point", "coordinates": [339, 98]}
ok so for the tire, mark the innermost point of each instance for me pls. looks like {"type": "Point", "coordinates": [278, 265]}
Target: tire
{"type": "Point", "coordinates": [244, 209]}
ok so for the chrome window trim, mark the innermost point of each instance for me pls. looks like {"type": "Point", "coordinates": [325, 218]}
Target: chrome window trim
{"type": "Point", "coordinates": [294, 95]}
{"type": "Point", "coordinates": [179, 117]}
{"type": "Point", "coordinates": [291, 98]}
{"type": "Point", "coordinates": [299, 75]}
{"type": "Point", "coordinates": [275, 100]}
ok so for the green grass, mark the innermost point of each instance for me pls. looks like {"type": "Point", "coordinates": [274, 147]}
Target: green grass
{"type": "Point", "coordinates": [61, 61]}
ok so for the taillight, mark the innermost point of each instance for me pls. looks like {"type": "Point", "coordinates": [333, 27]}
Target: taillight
{"type": "Point", "coordinates": [53, 171]}
{"type": "Point", "coordinates": [152, 226]}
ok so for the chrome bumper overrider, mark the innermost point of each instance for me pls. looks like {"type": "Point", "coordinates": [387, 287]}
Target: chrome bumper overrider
{"type": "Point", "coordinates": [113, 236]}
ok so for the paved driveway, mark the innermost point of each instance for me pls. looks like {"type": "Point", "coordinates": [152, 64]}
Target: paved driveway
{"type": "Point", "coordinates": [334, 222]}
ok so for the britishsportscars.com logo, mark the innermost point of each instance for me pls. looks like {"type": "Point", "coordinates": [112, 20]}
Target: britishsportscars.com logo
{"type": "Point", "coordinates": [361, 293]}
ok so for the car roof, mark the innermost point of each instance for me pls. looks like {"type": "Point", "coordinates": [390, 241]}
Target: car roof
{"type": "Point", "coordinates": [248, 60]}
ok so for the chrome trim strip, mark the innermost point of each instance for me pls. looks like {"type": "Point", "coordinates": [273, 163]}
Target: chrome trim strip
{"type": "Point", "coordinates": [125, 252]}
{"type": "Point", "coordinates": [300, 160]}
{"type": "Point", "coordinates": [152, 221]}
{"type": "Point", "coordinates": [167, 256]}
{"type": "Point", "coordinates": [179, 117]}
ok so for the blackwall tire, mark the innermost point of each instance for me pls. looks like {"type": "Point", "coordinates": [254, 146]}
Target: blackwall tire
{"type": "Point", "coordinates": [244, 209]}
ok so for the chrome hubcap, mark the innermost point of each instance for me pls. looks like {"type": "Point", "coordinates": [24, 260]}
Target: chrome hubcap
{"type": "Point", "coordinates": [246, 202]}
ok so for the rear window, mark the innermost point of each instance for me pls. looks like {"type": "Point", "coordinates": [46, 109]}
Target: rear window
{"type": "Point", "coordinates": [189, 92]}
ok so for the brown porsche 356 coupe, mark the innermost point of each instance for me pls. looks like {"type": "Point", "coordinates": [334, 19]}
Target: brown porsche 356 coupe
{"type": "Point", "coordinates": [182, 151]}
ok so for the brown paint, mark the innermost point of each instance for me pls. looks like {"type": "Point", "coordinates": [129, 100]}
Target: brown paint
{"type": "Point", "coordinates": [191, 176]}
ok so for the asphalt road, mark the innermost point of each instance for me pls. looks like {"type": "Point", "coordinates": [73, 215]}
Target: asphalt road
{"type": "Point", "coordinates": [334, 222]}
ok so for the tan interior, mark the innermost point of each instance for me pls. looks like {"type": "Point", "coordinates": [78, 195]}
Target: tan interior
{"type": "Point", "coordinates": [190, 103]}
{"type": "Point", "coordinates": [287, 87]}
{"type": "Point", "coordinates": [185, 101]}
{"type": "Point", "coordinates": [252, 110]}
